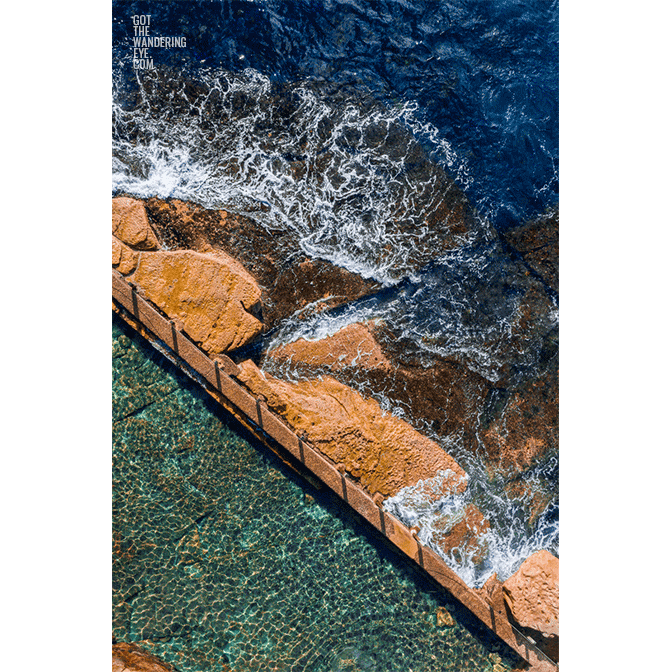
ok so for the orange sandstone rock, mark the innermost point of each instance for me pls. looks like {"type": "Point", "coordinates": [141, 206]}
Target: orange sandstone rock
{"type": "Point", "coordinates": [124, 259]}
{"type": "Point", "coordinates": [130, 224]}
{"type": "Point", "coordinates": [353, 345]}
{"type": "Point", "coordinates": [131, 658]}
{"type": "Point", "coordinates": [210, 294]}
{"type": "Point", "coordinates": [385, 453]}
{"type": "Point", "coordinates": [532, 593]}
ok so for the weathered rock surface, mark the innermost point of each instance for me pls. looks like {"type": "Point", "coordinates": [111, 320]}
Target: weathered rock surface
{"type": "Point", "coordinates": [447, 395]}
{"type": "Point", "coordinates": [124, 259]}
{"type": "Point", "coordinates": [289, 280]}
{"type": "Point", "coordinates": [382, 451]}
{"type": "Point", "coordinates": [212, 295]}
{"type": "Point", "coordinates": [352, 346]}
{"type": "Point", "coordinates": [532, 593]}
{"type": "Point", "coordinates": [130, 224]}
{"type": "Point", "coordinates": [131, 658]}
{"type": "Point", "coordinates": [515, 429]}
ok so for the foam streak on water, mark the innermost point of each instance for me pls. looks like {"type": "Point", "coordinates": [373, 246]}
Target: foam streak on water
{"type": "Point", "coordinates": [345, 174]}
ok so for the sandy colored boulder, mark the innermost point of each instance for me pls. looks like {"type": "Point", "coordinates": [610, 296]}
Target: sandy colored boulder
{"type": "Point", "coordinates": [124, 259]}
{"type": "Point", "coordinates": [385, 453]}
{"type": "Point", "coordinates": [130, 224]}
{"type": "Point", "coordinates": [131, 658]}
{"type": "Point", "coordinates": [532, 593]}
{"type": "Point", "coordinates": [353, 345]}
{"type": "Point", "coordinates": [210, 295]}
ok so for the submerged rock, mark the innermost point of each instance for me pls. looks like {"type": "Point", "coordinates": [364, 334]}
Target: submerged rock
{"type": "Point", "coordinates": [532, 593]}
{"type": "Point", "coordinates": [385, 453]}
{"type": "Point", "coordinates": [538, 243]}
{"type": "Point", "coordinates": [128, 657]}
{"type": "Point", "coordinates": [525, 431]}
{"type": "Point", "coordinates": [464, 534]}
{"type": "Point", "coordinates": [444, 618]}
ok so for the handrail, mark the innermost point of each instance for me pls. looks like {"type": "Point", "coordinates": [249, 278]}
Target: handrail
{"type": "Point", "coordinates": [219, 375]}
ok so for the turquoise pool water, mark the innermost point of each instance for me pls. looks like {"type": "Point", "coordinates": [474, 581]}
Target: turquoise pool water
{"type": "Point", "coordinates": [225, 560]}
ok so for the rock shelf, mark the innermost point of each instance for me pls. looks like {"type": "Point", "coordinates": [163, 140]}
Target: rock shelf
{"type": "Point", "coordinates": [199, 305]}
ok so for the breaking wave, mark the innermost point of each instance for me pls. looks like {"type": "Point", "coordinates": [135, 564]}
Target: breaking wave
{"type": "Point", "coordinates": [348, 176]}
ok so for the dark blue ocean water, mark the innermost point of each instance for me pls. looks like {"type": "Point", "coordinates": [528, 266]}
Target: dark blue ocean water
{"type": "Point", "coordinates": [484, 73]}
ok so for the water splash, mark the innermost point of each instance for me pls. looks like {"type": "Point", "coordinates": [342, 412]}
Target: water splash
{"type": "Point", "coordinates": [473, 305]}
{"type": "Point", "coordinates": [501, 548]}
{"type": "Point", "coordinates": [347, 175]}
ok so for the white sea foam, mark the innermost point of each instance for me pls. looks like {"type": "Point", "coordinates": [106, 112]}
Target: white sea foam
{"type": "Point", "coordinates": [340, 172]}
{"type": "Point", "coordinates": [507, 542]}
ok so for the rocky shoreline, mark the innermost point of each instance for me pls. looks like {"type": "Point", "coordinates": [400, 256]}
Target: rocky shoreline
{"type": "Point", "coordinates": [226, 282]}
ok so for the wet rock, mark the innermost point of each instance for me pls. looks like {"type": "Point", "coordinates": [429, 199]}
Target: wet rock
{"type": "Point", "coordinates": [532, 594]}
{"type": "Point", "coordinates": [289, 281]}
{"type": "Point", "coordinates": [130, 224]}
{"type": "Point", "coordinates": [385, 453]}
{"type": "Point", "coordinates": [529, 491]}
{"type": "Point", "coordinates": [514, 429]}
{"type": "Point", "coordinates": [538, 243]}
{"type": "Point", "coordinates": [464, 534]}
{"type": "Point", "coordinates": [446, 396]}
{"type": "Point", "coordinates": [352, 346]}
{"type": "Point", "coordinates": [526, 430]}
{"type": "Point", "coordinates": [128, 657]}
{"type": "Point", "coordinates": [211, 294]}
{"type": "Point", "coordinates": [443, 618]}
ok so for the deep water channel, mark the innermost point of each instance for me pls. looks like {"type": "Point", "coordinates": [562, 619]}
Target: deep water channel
{"type": "Point", "coordinates": [226, 560]}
